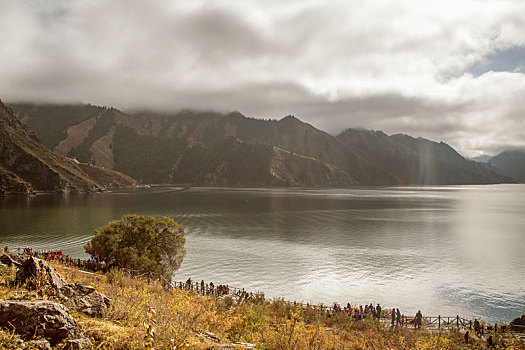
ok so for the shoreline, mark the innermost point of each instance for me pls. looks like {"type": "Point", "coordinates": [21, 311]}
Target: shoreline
{"type": "Point", "coordinates": [90, 266]}
{"type": "Point", "coordinates": [184, 187]}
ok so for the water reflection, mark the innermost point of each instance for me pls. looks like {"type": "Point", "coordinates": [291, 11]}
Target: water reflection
{"type": "Point", "coordinates": [455, 250]}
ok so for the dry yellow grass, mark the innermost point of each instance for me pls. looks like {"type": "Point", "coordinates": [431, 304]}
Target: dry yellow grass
{"type": "Point", "coordinates": [181, 315]}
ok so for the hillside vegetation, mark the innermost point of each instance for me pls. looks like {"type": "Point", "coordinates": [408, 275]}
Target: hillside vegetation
{"type": "Point", "coordinates": [27, 165]}
{"type": "Point", "coordinates": [511, 163]}
{"type": "Point", "coordinates": [208, 148]}
{"type": "Point", "coordinates": [176, 319]}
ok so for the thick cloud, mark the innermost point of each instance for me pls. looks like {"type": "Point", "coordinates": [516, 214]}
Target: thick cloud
{"type": "Point", "coordinates": [447, 70]}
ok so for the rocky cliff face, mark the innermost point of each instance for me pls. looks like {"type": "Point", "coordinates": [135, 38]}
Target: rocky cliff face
{"type": "Point", "coordinates": [27, 165]}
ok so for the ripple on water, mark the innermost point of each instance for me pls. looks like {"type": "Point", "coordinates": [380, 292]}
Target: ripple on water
{"type": "Point", "coordinates": [452, 249]}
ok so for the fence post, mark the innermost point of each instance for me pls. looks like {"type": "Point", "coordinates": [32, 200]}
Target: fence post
{"type": "Point", "coordinates": [470, 324]}
{"type": "Point", "coordinates": [457, 321]}
{"type": "Point", "coordinates": [439, 322]}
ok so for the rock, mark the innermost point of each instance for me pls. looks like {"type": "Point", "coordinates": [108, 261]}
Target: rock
{"type": "Point", "coordinates": [41, 318]}
{"type": "Point", "coordinates": [39, 344]}
{"type": "Point", "coordinates": [33, 268]}
{"type": "Point", "coordinates": [84, 299]}
{"type": "Point", "coordinates": [74, 295]}
{"type": "Point", "coordinates": [235, 345]}
{"type": "Point", "coordinates": [209, 335]}
{"type": "Point", "coordinates": [518, 323]}
{"type": "Point", "coordinates": [246, 345]}
{"type": "Point", "coordinates": [79, 344]}
{"type": "Point", "coordinates": [9, 261]}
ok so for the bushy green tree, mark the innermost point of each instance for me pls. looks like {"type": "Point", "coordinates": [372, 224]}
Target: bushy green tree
{"type": "Point", "coordinates": [144, 244]}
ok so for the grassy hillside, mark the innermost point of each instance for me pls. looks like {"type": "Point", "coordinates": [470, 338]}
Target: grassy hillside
{"type": "Point", "coordinates": [184, 319]}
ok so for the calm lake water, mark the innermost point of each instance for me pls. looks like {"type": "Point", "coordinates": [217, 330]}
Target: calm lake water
{"type": "Point", "coordinates": [445, 250]}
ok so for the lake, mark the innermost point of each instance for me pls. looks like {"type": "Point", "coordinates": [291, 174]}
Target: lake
{"type": "Point", "coordinates": [445, 250]}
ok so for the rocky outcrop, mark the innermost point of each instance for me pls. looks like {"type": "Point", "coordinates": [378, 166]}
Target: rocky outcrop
{"type": "Point", "coordinates": [45, 319]}
{"type": "Point", "coordinates": [518, 323]}
{"type": "Point", "coordinates": [84, 299]}
{"type": "Point", "coordinates": [10, 183]}
{"type": "Point", "coordinates": [34, 272]}
{"type": "Point", "coordinates": [9, 261]}
{"type": "Point", "coordinates": [49, 319]}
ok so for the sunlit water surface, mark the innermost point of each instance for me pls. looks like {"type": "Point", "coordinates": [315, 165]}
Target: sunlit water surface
{"type": "Point", "coordinates": [445, 250]}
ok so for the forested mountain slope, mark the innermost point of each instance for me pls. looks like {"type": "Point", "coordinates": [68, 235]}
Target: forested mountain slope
{"type": "Point", "coordinates": [511, 162]}
{"type": "Point", "coordinates": [209, 148]}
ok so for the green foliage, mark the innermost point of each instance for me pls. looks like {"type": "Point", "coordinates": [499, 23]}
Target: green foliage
{"type": "Point", "coordinates": [162, 159]}
{"type": "Point", "coordinates": [231, 162]}
{"type": "Point", "coordinates": [143, 244]}
{"type": "Point", "coordinates": [146, 158]}
{"type": "Point", "coordinates": [49, 122]}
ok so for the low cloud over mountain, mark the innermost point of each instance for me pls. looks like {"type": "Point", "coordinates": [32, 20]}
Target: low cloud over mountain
{"type": "Point", "coordinates": [450, 71]}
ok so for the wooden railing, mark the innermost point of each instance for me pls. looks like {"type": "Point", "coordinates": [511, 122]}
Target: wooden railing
{"type": "Point", "coordinates": [429, 322]}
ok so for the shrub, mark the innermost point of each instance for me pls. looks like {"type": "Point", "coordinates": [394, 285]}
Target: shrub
{"type": "Point", "coordinates": [115, 277]}
{"type": "Point", "coordinates": [141, 244]}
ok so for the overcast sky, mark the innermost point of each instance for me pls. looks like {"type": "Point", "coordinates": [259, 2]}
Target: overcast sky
{"type": "Point", "coordinates": [450, 71]}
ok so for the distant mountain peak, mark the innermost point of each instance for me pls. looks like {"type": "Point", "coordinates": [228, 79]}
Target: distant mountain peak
{"type": "Point", "coordinates": [290, 118]}
{"type": "Point", "coordinates": [511, 162]}
{"type": "Point", "coordinates": [484, 158]}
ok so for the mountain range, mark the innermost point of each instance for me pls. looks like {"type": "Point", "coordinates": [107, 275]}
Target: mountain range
{"type": "Point", "coordinates": [511, 162]}
{"type": "Point", "coordinates": [216, 149]}
{"type": "Point", "coordinates": [26, 165]}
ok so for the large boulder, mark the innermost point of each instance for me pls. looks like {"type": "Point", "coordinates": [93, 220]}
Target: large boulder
{"type": "Point", "coordinates": [42, 318]}
{"type": "Point", "coordinates": [8, 260]}
{"type": "Point", "coordinates": [518, 323]}
{"type": "Point", "coordinates": [34, 272]}
{"type": "Point", "coordinates": [84, 299]}
{"type": "Point", "coordinates": [37, 273]}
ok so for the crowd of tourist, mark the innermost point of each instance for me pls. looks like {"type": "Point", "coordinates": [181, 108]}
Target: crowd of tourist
{"type": "Point", "coordinates": [211, 289]}
{"type": "Point", "coordinates": [91, 264]}
{"type": "Point", "coordinates": [358, 313]}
